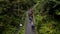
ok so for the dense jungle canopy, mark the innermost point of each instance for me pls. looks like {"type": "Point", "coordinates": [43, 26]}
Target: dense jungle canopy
{"type": "Point", "coordinates": [46, 15]}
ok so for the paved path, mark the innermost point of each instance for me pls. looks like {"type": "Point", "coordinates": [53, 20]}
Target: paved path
{"type": "Point", "coordinates": [28, 28]}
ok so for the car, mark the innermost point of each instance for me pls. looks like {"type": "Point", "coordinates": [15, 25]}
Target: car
{"type": "Point", "coordinates": [30, 19]}
{"type": "Point", "coordinates": [32, 26]}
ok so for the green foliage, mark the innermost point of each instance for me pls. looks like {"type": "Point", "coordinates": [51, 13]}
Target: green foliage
{"type": "Point", "coordinates": [9, 18]}
{"type": "Point", "coordinates": [47, 17]}
{"type": "Point", "coordinates": [46, 14]}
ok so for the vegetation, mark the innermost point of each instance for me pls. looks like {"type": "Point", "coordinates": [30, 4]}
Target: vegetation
{"type": "Point", "coordinates": [46, 16]}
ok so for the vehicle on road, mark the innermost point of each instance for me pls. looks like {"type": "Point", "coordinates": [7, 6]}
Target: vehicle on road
{"type": "Point", "coordinates": [32, 26]}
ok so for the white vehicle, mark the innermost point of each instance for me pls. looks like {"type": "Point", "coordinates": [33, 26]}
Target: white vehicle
{"type": "Point", "coordinates": [32, 26]}
{"type": "Point", "coordinates": [32, 23]}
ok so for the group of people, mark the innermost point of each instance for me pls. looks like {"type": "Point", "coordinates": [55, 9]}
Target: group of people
{"type": "Point", "coordinates": [31, 20]}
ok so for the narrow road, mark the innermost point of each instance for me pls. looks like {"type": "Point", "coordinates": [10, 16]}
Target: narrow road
{"type": "Point", "coordinates": [28, 25]}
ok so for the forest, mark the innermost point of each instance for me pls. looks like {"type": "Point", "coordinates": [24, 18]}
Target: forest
{"type": "Point", "coordinates": [46, 16]}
